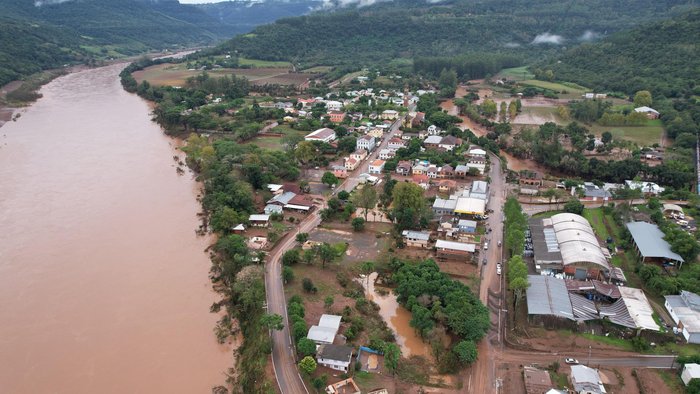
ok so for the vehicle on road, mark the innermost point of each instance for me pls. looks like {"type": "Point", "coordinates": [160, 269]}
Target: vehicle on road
{"type": "Point", "coordinates": [499, 243]}
{"type": "Point", "coordinates": [572, 361]}
{"type": "Point", "coordinates": [486, 246]}
{"type": "Point", "coordinates": [484, 261]}
{"type": "Point", "coordinates": [498, 270]}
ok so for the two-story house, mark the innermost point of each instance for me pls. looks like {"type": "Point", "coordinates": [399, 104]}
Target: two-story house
{"type": "Point", "coordinates": [396, 143]}
{"type": "Point", "coordinates": [365, 142]}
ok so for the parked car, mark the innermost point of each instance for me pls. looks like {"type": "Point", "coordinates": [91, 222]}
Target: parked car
{"type": "Point", "coordinates": [498, 270]}
{"type": "Point", "coordinates": [571, 361]}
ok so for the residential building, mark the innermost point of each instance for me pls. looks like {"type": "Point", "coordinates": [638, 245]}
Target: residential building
{"type": "Point", "coordinates": [444, 207]}
{"type": "Point", "coordinates": [386, 154]}
{"type": "Point", "coordinates": [433, 130]}
{"type": "Point", "coordinates": [432, 141]}
{"type": "Point", "coordinates": [690, 371]}
{"type": "Point", "coordinates": [586, 380]}
{"type": "Point", "coordinates": [376, 167]}
{"type": "Point", "coordinates": [332, 105]}
{"type": "Point", "coordinates": [651, 113]}
{"type": "Point", "coordinates": [421, 180]}
{"type": "Point", "coordinates": [418, 119]}
{"type": "Point", "coordinates": [238, 229]}
{"type": "Point", "coordinates": [336, 116]}
{"type": "Point", "coordinates": [648, 188]}
{"type": "Point", "coordinates": [446, 171]}
{"type": "Point", "coordinates": [432, 172]}
{"type": "Point", "coordinates": [396, 143]}
{"type": "Point", "coordinates": [592, 192]}
{"type": "Point", "coordinates": [480, 190]}
{"type": "Point", "coordinates": [259, 220]}
{"type": "Point", "coordinates": [324, 135]}
{"type": "Point", "coordinates": [282, 199]}
{"type": "Point", "coordinates": [334, 356]}
{"type": "Point", "coordinates": [275, 189]}
{"type": "Point", "coordinates": [404, 168]}
{"type": "Point", "coordinates": [477, 155]}
{"type": "Point", "coordinates": [300, 204]}
{"type": "Point", "coordinates": [685, 311]}
{"type": "Point", "coordinates": [351, 164]}
{"type": "Point", "coordinates": [479, 167]}
{"type": "Point", "coordinates": [359, 154]}
{"type": "Point", "coordinates": [449, 142]}
{"type": "Point", "coordinates": [467, 226]}
{"type": "Point", "coordinates": [307, 103]}
{"type": "Point", "coordinates": [537, 381]}
{"type": "Point", "coordinates": [461, 171]}
{"type": "Point", "coordinates": [419, 169]}
{"type": "Point", "coordinates": [446, 185]}
{"type": "Point", "coordinates": [339, 171]}
{"type": "Point", "coordinates": [390, 114]}
{"type": "Point", "coordinates": [416, 239]}
{"type": "Point", "coordinates": [376, 132]}
{"type": "Point", "coordinates": [272, 208]}
{"type": "Point", "coordinates": [365, 142]}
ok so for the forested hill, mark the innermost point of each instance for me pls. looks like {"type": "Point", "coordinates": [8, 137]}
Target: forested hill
{"type": "Point", "coordinates": [243, 16]}
{"type": "Point", "coordinates": [662, 57]}
{"type": "Point", "coordinates": [409, 28]}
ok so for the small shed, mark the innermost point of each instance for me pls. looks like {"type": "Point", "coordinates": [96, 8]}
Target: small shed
{"type": "Point", "coordinates": [690, 372]}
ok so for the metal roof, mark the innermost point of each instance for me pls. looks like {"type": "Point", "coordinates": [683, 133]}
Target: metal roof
{"type": "Point", "coordinates": [631, 310]}
{"type": "Point", "coordinates": [449, 245]}
{"type": "Point", "coordinates": [650, 241]}
{"type": "Point", "coordinates": [547, 295]}
{"type": "Point", "coordinates": [259, 218]}
{"type": "Point", "coordinates": [469, 205]}
{"type": "Point", "coordinates": [334, 352]}
{"type": "Point", "coordinates": [418, 235]}
{"type": "Point", "coordinates": [321, 334]}
{"type": "Point", "coordinates": [330, 321]}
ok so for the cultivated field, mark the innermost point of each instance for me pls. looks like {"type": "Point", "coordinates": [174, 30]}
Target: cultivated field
{"type": "Point", "coordinates": [538, 116]}
{"type": "Point", "coordinates": [177, 74]}
{"type": "Point", "coordinates": [517, 73]}
{"type": "Point", "coordinates": [646, 135]}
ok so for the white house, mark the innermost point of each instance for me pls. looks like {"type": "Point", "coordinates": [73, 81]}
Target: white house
{"type": "Point", "coordinates": [417, 239]}
{"type": "Point", "coordinates": [690, 371]}
{"type": "Point", "coordinates": [586, 380]}
{"type": "Point", "coordinates": [326, 330]}
{"type": "Point", "coordinates": [396, 143]}
{"type": "Point", "coordinates": [449, 143]}
{"type": "Point", "coordinates": [324, 135]}
{"type": "Point", "coordinates": [259, 220]}
{"type": "Point", "coordinates": [334, 356]}
{"type": "Point", "coordinates": [685, 311]}
{"type": "Point", "coordinates": [332, 105]}
{"type": "Point", "coordinates": [376, 167]}
{"type": "Point", "coordinates": [365, 142]}
{"type": "Point", "coordinates": [386, 154]}
{"type": "Point", "coordinates": [433, 130]}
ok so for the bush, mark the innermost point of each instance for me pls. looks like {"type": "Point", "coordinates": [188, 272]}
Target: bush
{"type": "Point", "coordinates": [306, 347]}
{"type": "Point", "coordinates": [287, 274]}
{"type": "Point", "coordinates": [342, 278]}
{"type": "Point", "coordinates": [299, 330]}
{"type": "Point", "coordinates": [291, 257]}
{"type": "Point", "coordinates": [358, 224]}
{"type": "Point", "coordinates": [308, 285]}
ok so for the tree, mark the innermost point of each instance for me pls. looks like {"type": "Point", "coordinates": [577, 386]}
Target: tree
{"type": "Point", "coordinates": [343, 195]}
{"type": "Point", "coordinates": [305, 151]}
{"type": "Point", "coordinates": [290, 257]}
{"type": "Point", "coordinates": [642, 98]}
{"type": "Point", "coordinates": [329, 179]}
{"type": "Point", "coordinates": [302, 237]}
{"type": "Point", "coordinates": [287, 274]}
{"type": "Point", "coordinates": [299, 330]}
{"type": "Point", "coordinates": [466, 352]}
{"type": "Point", "coordinates": [328, 302]}
{"type": "Point", "coordinates": [320, 382]}
{"type": "Point", "coordinates": [309, 256]}
{"type": "Point", "coordinates": [488, 108]}
{"type": "Point", "coordinates": [392, 355]}
{"type": "Point", "coordinates": [365, 198]}
{"type": "Point", "coordinates": [272, 321]}
{"type": "Point", "coordinates": [326, 254]}
{"type": "Point", "coordinates": [308, 285]}
{"type": "Point", "coordinates": [606, 137]}
{"type": "Point", "coordinates": [358, 224]}
{"type": "Point", "coordinates": [407, 195]}
{"type": "Point", "coordinates": [307, 365]}
{"type": "Point", "coordinates": [421, 319]}
{"type": "Point", "coordinates": [306, 347]}
{"type": "Point", "coordinates": [574, 206]}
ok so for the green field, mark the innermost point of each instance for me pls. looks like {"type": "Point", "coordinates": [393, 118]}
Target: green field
{"type": "Point", "coordinates": [569, 87]}
{"type": "Point", "coordinates": [642, 135]}
{"type": "Point", "coordinates": [517, 73]}
{"type": "Point", "coordinates": [263, 63]}
{"type": "Point", "coordinates": [318, 69]}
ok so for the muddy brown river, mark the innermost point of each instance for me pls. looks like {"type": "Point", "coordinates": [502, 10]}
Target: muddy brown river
{"type": "Point", "coordinates": [103, 282]}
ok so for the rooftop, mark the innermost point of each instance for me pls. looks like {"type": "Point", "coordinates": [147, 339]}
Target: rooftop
{"type": "Point", "coordinates": [419, 235]}
{"type": "Point", "coordinates": [547, 295]}
{"type": "Point", "coordinates": [330, 321]}
{"type": "Point", "coordinates": [449, 245]}
{"type": "Point", "coordinates": [321, 133]}
{"type": "Point", "coordinates": [259, 218]}
{"type": "Point", "coordinates": [650, 241]}
{"type": "Point", "coordinates": [334, 352]}
{"type": "Point", "coordinates": [586, 379]}
{"type": "Point", "coordinates": [321, 334]}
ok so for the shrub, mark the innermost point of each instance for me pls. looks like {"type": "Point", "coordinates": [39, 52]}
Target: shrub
{"type": "Point", "coordinates": [308, 285]}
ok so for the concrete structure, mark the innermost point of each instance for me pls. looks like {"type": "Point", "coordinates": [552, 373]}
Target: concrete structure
{"type": "Point", "coordinates": [332, 105]}
{"type": "Point", "coordinates": [650, 244]}
{"type": "Point", "coordinates": [326, 330]}
{"type": "Point", "coordinates": [537, 381]}
{"type": "Point", "coordinates": [416, 239]}
{"type": "Point", "coordinates": [347, 386]}
{"type": "Point", "coordinates": [359, 154]}
{"type": "Point", "coordinates": [690, 372]}
{"type": "Point", "coordinates": [566, 243]}
{"type": "Point", "coordinates": [444, 207]}
{"type": "Point", "coordinates": [259, 220]}
{"type": "Point", "coordinates": [351, 164]}
{"type": "Point", "coordinates": [449, 250]}
{"type": "Point", "coordinates": [324, 135]}
{"type": "Point", "coordinates": [365, 142]}
{"type": "Point", "coordinates": [334, 356]}
{"type": "Point", "coordinates": [404, 168]}
{"type": "Point", "coordinates": [586, 380]}
{"type": "Point", "coordinates": [390, 114]}
{"type": "Point", "coordinates": [396, 143]}
{"type": "Point", "coordinates": [386, 154]}
{"type": "Point", "coordinates": [376, 167]}
{"type": "Point", "coordinates": [685, 311]}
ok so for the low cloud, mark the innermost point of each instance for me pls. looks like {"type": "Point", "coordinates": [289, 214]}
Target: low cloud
{"type": "Point", "coordinates": [39, 3]}
{"type": "Point", "coordinates": [548, 38]}
{"type": "Point", "coordinates": [511, 45]}
{"type": "Point", "coordinates": [589, 35]}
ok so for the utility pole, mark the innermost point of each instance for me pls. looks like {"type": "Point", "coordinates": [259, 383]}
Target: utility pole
{"type": "Point", "coordinates": [589, 355]}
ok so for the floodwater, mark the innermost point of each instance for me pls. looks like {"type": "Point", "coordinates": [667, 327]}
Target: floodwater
{"type": "Point", "coordinates": [103, 283]}
{"type": "Point", "coordinates": [398, 319]}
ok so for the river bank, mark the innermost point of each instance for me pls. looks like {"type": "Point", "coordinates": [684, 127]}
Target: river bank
{"type": "Point", "coordinates": [103, 283]}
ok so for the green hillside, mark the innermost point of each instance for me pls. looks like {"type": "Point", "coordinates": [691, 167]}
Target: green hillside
{"type": "Point", "coordinates": [410, 28]}
{"type": "Point", "coordinates": [662, 57]}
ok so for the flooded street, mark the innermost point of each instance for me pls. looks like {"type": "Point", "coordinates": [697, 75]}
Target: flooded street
{"type": "Point", "coordinates": [103, 283]}
{"type": "Point", "coordinates": [398, 319]}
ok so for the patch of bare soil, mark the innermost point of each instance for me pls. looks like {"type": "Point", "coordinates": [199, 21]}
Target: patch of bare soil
{"type": "Point", "coordinates": [651, 382]}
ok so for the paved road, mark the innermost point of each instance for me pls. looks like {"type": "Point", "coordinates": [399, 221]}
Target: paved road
{"type": "Point", "coordinates": [596, 359]}
{"type": "Point", "coordinates": [283, 354]}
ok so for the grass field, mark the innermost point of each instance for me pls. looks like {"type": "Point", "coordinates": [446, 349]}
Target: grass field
{"type": "Point", "coordinates": [646, 135]}
{"type": "Point", "coordinates": [318, 69]}
{"type": "Point", "coordinates": [177, 74]}
{"type": "Point", "coordinates": [517, 73]}
{"type": "Point", "coordinates": [569, 87]}
{"type": "Point", "coordinates": [263, 63]}
{"type": "Point", "coordinates": [275, 142]}
{"type": "Point", "coordinates": [538, 116]}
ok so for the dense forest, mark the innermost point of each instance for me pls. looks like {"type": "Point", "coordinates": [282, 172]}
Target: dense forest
{"type": "Point", "coordinates": [661, 57]}
{"type": "Point", "coordinates": [412, 28]}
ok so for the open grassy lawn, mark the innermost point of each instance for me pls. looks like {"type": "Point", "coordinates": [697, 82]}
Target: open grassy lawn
{"type": "Point", "coordinates": [646, 135]}
{"type": "Point", "coordinates": [263, 63]}
{"type": "Point", "coordinates": [568, 87]}
{"type": "Point", "coordinates": [267, 142]}
{"type": "Point", "coordinates": [177, 74]}
{"type": "Point", "coordinates": [318, 69]}
{"type": "Point", "coordinates": [517, 73]}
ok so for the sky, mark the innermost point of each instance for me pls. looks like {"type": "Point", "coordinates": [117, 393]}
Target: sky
{"type": "Point", "coordinates": [200, 1]}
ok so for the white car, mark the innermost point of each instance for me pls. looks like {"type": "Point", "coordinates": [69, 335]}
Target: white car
{"type": "Point", "coordinates": [571, 361]}
{"type": "Point", "coordinates": [498, 269]}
